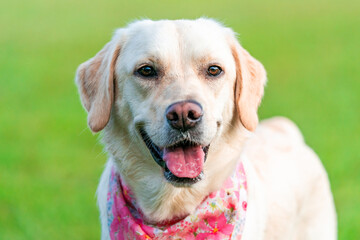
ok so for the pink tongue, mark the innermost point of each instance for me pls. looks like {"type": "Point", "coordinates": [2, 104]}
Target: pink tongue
{"type": "Point", "coordinates": [184, 162]}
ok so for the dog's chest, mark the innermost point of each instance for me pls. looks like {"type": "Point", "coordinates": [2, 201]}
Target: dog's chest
{"type": "Point", "coordinates": [221, 214]}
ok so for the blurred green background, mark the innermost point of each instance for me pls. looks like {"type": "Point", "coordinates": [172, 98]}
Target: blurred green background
{"type": "Point", "coordinates": [50, 163]}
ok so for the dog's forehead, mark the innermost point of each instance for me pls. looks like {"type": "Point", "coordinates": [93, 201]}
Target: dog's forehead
{"type": "Point", "coordinates": [169, 40]}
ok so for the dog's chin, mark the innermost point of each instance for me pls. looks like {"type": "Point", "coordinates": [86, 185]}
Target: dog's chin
{"type": "Point", "coordinates": [175, 178]}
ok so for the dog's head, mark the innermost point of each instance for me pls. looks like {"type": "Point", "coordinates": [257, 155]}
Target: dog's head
{"type": "Point", "coordinates": [176, 87]}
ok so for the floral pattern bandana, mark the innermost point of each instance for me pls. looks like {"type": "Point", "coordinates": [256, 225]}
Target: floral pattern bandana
{"type": "Point", "coordinates": [221, 215]}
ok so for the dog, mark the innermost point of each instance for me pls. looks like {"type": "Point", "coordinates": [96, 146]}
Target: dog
{"type": "Point", "coordinates": [176, 101]}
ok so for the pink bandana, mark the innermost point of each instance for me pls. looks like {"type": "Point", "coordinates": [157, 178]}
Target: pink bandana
{"type": "Point", "coordinates": [220, 216]}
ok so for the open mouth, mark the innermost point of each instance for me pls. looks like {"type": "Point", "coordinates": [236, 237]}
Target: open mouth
{"type": "Point", "coordinates": [182, 162]}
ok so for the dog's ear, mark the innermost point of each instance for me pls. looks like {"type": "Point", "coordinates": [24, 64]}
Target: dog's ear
{"type": "Point", "coordinates": [95, 81]}
{"type": "Point", "coordinates": [249, 86]}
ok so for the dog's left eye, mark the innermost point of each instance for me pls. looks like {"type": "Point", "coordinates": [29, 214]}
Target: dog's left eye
{"type": "Point", "coordinates": [147, 71]}
{"type": "Point", "coordinates": [214, 71]}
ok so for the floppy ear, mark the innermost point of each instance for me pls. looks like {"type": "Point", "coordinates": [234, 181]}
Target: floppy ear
{"type": "Point", "coordinates": [249, 86]}
{"type": "Point", "coordinates": [95, 81]}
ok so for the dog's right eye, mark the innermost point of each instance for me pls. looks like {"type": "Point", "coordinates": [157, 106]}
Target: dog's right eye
{"type": "Point", "coordinates": [147, 71]}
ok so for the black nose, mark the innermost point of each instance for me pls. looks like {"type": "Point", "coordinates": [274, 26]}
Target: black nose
{"type": "Point", "coordinates": [184, 115]}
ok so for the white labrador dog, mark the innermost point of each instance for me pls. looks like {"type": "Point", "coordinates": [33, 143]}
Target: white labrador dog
{"type": "Point", "coordinates": [177, 105]}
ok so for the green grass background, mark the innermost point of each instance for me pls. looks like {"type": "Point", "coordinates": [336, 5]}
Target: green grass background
{"type": "Point", "coordinates": [50, 163]}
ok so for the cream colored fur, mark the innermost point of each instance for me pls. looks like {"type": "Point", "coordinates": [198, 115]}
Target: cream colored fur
{"type": "Point", "coordinates": [289, 194]}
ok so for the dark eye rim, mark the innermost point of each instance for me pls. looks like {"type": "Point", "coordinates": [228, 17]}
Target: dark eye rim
{"type": "Point", "coordinates": [152, 74]}
{"type": "Point", "coordinates": [217, 74]}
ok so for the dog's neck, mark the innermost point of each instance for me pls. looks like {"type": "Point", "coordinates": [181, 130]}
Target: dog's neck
{"type": "Point", "coordinates": [158, 199]}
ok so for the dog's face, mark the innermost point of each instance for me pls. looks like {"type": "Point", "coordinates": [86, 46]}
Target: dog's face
{"type": "Point", "coordinates": [177, 86]}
